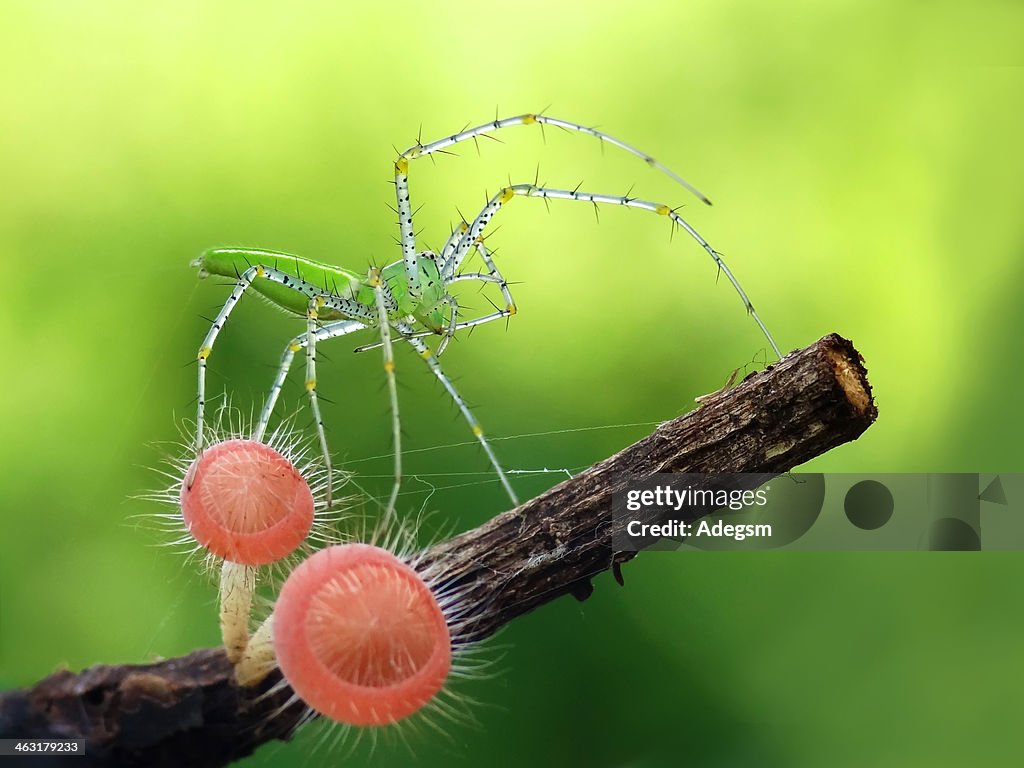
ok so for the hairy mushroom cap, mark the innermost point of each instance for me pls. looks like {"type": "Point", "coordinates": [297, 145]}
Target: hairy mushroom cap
{"type": "Point", "coordinates": [246, 503]}
{"type": "Point", "coordinates": [360, 636]}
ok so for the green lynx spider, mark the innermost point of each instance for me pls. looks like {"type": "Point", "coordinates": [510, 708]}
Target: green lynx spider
{"type": "Point", "coordinates": [410, 298]}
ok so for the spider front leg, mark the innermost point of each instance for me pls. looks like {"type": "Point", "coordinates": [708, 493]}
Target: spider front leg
{"type": "Point", "coordinates": [595, 199]}
{"type": "Point", "coordinates": [442, 145]}
{"type": "Point", "coordinates": [492, 207]}
{"type": "Point", "coordinates": [446, 265]}
{"type": "Point", "coordinates": [405, 228]}
{"type": "Point", "coordinates": [466, 237]}
{"type": "Point", "coordinates": [493, 273]}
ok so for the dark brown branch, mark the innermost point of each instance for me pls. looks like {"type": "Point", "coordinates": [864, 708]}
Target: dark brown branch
{"type": "Point", "coordinates": [188, 711]}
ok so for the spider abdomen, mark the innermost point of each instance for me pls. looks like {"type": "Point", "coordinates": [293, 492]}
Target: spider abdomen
{"type": "Point", "coordinates": [301, 279]}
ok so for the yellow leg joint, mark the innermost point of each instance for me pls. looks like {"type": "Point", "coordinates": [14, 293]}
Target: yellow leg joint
{"type": "Point", "coordinates": [294, 346]}
{"type": "Point", "coordinates": [506, 194]}
{"type": "Point", "coordinates": [478, 430]}
{"type": "Point", "coordinates": [389, 366]}
{"type": "Point", "coordinates": [511, 309]}
{"type": "Point", "coordinates": [204, 353]}
{"type": "Point", "coordinates": [311, 385]}
{"type": "Point", "coordinates": [529, 119]}
{"type": "Point", "coordinates": [663, 210]}
{"type": "Point", "coordinates": [401, 166]}
{"type": "Point", "coordinates": [260, 271]}
{"type": "Point", "coordinates": [426, 354]}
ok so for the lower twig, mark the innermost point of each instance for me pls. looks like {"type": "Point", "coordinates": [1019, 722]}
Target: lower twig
{"type": "Point", "coordinates": [189, 711]}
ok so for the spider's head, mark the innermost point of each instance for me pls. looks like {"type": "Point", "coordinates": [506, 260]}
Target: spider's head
{"type": "Point", "coordinates": [198, 263]}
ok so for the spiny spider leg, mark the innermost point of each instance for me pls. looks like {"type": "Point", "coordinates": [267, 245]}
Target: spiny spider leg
{"type": "Point", "coordinates": [206, 348]}
{"type": "Point", "coordinates": [406, 333]}
{"type": "Point", "coordinates": [493, 276]}
{"type": "Point", "coordinates": [405, 223]}
{"type": "Point", "coordinates": [312, 316]}
{"type": "Point", "coordinates": [405, 228]}
{"type": "Point", "coordinates": [379, 287]}
{"type": "Point", "coordinates": [423, 150]}
{"type": "Point", "coordinates": [480, 277]}
{"type": "Point", "coordinates": [324, 332]}
{"type": "Point", "coordinates": [493, 205]}
{"type": "Point", "coordinates": [450, 245]}
{"type": "Point", "coordinates": [459, 326]}
{"type": "Point", "coordinates": [506, 294]}
{"type": "Point", "coordinates": [410, 335]}
{"type": "Point", "coordinates": [530, 190]}
{"type": "Point", "coordinates": [473, 237]}
{"type": "Point", "coordinates": [453, 315]}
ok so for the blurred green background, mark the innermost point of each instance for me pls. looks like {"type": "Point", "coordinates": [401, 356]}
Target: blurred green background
{"type": "Point", "coordinates": [865, 162]}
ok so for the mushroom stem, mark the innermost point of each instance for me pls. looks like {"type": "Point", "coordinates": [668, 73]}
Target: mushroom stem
{"type": "Point", "coordinates": [237, 583]}
{"type": "Point", "coordinates": [258, 660]}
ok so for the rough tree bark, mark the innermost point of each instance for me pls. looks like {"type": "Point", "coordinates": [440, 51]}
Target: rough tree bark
{"type": "Point", "coordinates": [188, 710]}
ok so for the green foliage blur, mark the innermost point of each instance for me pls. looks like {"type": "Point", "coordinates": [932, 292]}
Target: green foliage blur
{"type": "Point", "coordinates": [865, 162]}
